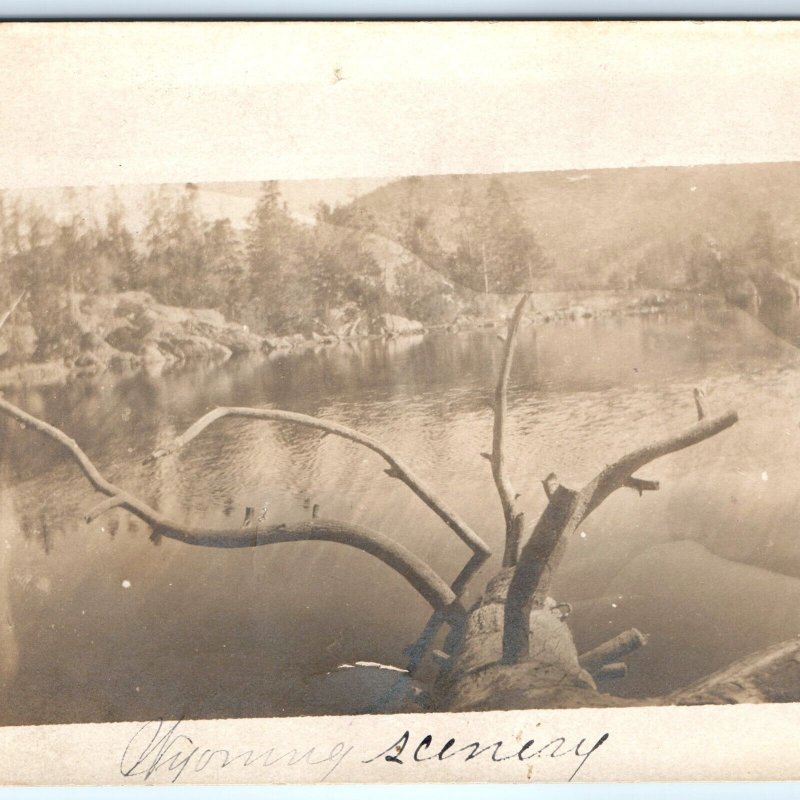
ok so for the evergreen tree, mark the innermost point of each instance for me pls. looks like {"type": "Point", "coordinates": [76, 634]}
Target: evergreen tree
{"type": "Point", "coordinates": [277, 251]}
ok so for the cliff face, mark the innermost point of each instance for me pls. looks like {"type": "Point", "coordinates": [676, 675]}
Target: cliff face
{"type": "Point", "coordinates": [129, 330]}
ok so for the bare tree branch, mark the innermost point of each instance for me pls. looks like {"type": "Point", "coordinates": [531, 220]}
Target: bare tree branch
{"type": "Point", "coordinates": [611, 671]}
{"type": "Point", "coordinates": [101, 508]}
{"type": "Point", "coordinates": [566, 510]}
{"type": "Point", "coordinates": [416, 652]}
{"type": "Point", "coordinates": [642, 485]}
{"type": "Point", "coordinates": [612, 650]}
{"type": "Point", "coordinates": [700, 403]}
{"type": "Point", "coordinates": [615, 475]}
{"type": "Point", "coordinates": [503, 483]}
{"type": "Point", "coordinates": [397, 469]}
{"type": "Point", "coordinates": [432, 587]}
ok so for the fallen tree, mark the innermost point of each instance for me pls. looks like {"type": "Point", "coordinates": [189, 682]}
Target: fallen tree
{"type": "Point", "coordinates": [513, 648]}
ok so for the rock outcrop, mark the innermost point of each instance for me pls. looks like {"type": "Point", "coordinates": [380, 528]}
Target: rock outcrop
{"type": "Point", "coordinates": [395, 325]}
{"type": "Point", "coordinates": [131, 326]}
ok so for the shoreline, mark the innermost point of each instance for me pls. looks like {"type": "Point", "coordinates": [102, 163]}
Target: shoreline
{"type": "Point", "coordinates": [225, 341]}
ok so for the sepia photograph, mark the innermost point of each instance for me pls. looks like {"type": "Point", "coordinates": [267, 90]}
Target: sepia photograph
{"type": "Point", "coordinates": [376, 418]}
{"type": "Point", "coordinates": [415, 444]}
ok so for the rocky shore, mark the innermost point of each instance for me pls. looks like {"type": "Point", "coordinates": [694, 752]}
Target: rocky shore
{"type": "Point", "coordinates": [127, 331]}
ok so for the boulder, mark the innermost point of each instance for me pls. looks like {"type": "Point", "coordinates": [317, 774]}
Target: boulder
{"type": "Point", "coordinates": [237, 338]}
{"type": "Point", "coordinates": [187, 347]}
{"type": "Point", "coordinates": [152, 356]}
{"type": "Point", "coordinates": [395, 325]}
{"type": "Point", "coordinates": [346, 322]}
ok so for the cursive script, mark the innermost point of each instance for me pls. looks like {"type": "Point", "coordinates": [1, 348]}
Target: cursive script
{"type": "Point", "coordinates": [426, 750]}
{"type": "Point", "coordinates": [160, 747]}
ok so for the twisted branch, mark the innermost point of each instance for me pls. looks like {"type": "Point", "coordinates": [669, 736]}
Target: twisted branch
{"type": "Point", "coordinates": [397, 469]}
{"type": "Point", "coordinates": [566, 510]}
{"type": "Point", "coordinates": [427, 582]}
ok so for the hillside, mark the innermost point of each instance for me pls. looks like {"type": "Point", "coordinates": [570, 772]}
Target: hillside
{"type": "Point", "coordinates": [606, 228]}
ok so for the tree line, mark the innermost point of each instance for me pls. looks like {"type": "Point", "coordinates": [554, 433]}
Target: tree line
{"type": "Point", "coordinates": [275, 274]}
{"type": "Point", "coordinates": [278, 275]}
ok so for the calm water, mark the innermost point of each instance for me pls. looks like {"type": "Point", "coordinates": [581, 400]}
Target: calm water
{"type": "Point", "coordinates": [99, 623]}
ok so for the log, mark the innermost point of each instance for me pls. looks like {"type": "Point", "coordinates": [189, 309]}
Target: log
{"type": "Point", "coordinates": [612, 650]}
{"type": "Point", "coordinates": [611, 672]}
{"type": "Point", "coordinates": [771, 675]}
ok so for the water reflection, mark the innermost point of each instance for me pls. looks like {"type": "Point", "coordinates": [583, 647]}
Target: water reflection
{"type": "Point", "coordinates": [129, 630]}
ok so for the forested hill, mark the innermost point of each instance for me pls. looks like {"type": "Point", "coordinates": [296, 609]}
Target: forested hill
{"type": "Point", "coordinates": [609, 227]}
{"type": "Point", "coordinates": [431, 249]}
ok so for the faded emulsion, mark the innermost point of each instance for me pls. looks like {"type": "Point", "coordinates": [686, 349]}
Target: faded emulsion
{"type": "Point", "coordinates": [429, 446]}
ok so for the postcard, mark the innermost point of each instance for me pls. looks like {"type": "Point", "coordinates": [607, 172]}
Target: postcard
{"type": "Point", "coordinates": [399, 402]}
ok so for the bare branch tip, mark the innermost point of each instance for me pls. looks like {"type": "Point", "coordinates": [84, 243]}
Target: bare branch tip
{"type": "Point", "coordinates": [641, 485]}
{"type": "Point", "coordinates": [700, 403]}
{"type": "Point", "coordinates": [550, 484]}
{"type": "Point", "coordinates": [101, 508]}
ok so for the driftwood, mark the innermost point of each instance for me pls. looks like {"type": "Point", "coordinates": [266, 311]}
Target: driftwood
{"type": "Point", "coordinates": [513, 648]}
{"type": "Point", "coordinates": [767, 676]}
{"type": "Point", "coordinates": [566, 510]}
{"type": "Point", "coordinates": [594, 661]}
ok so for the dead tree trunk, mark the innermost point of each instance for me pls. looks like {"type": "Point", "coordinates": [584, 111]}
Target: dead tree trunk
{"type": "Point", "coordinates": [513, 648]}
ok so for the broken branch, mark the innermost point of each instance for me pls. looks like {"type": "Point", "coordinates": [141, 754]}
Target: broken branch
{"type": "Point", "coordinates": [611, 672]}
{"type": "Point", "coordinates": [398, 469]}
{"type": "Point", "coordinates": [565, 512]}
{"type": "Point", "coordinates": [101, 508]}
{"type": "Point", "coordinates": [612, 650]}
{"type": "Point", "coordinates": [503, 483]}
{"type": "Point", "coordinates": [700, 404]}
{"type": "Point", "coordinates": [550, 484]}
{"type": "Point", "coordinates": [427, 582]}
{"type": "Point", "coordinates": [641, 485]}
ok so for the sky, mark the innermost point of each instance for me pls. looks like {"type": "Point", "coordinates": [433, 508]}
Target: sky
{"type": "Point", "coordinates": [124, 103]}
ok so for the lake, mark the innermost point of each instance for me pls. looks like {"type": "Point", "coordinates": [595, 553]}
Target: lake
{"type": "Point", "coordinates": [100, 623]}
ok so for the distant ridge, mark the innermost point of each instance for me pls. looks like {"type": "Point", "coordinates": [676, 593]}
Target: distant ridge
{"type": "Point", "coordinates": [600, 226]}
